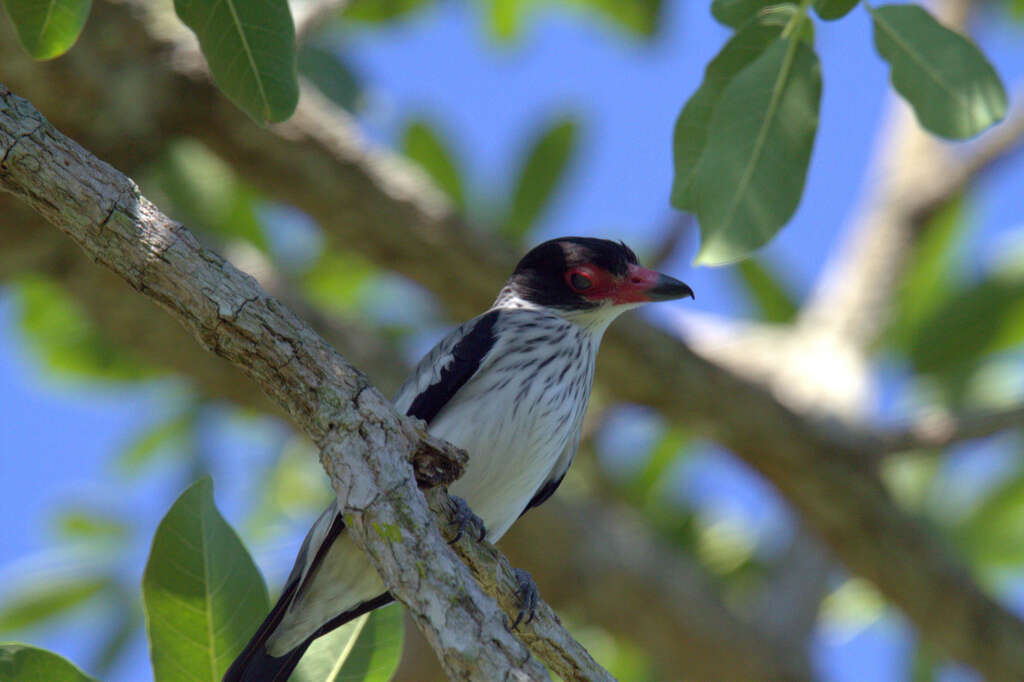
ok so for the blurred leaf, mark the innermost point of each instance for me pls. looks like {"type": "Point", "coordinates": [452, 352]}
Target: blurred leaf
{"type": "Point", "coordinates": [993, 534]}
{"type": "Point", "coordinates": [335, 283]}
{"type": "Point", "coordinates": [366, 649]}
{"type": "Point", "coordinates": [47, 28]}
{"type": "Point", "coordinates": [114, 643]}
{"type": "Point", "coordinates": [171, 434]}
{"type": "Point", "coordinates": [931, 273]}
{"type": "Point", "coordinates": [691, 130]}
{"type": "Point", "coordinates": [751, 174]}
{"type": "Point", "coordinates": [35, 604]}
{"type": "Point", "coordinates": [855, 605]}
{"type": "Point", "coordinates": [774, 301]}
{"type": "Point", "coordinates": [638, 18]}
{"type": "Point", "coordinates": [831, 10]}
{"type": "Point", "coordinates": [331, 75]}
{"type": "Point", "coordinates": [381, 11]}
{"type": "Point", "coordinates": [295, 486]}
{"type": "Point", "coordinates": [735, 13]}
{"type": "Point", "coordinates": [984, 318]}
{"type": "Point", "coordinates": [250, 49]}
{"type": "Point", "coordinates": [24, 663]}
{"type": "Point", "coordinates": [202, 593]}
{"type": "Point", "coordinates": [506, 18]}
{"type": "Point", "coordinates": [58, 331]}
{"type": "Point", "coordinates": [424, 145]}
{"type": "Point", "coordinates": [953, 89]}
{"type": "Point", "coordinates": [86, 524]}
{"type": "Point", "coordinates": [646, 486]}
{"type": "Point", "coordinates": [208, 194]}
{"type": "Point", "coordinates": [540, 176]}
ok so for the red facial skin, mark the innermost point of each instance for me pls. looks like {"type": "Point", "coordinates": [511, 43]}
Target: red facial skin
{"type": "Point", "coordinates": [629, 288]}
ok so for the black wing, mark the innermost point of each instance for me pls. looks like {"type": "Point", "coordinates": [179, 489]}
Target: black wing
{"type": "Point", "coordinates": [459, 356]}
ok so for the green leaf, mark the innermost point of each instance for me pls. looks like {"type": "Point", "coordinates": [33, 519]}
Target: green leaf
{"type": "Point", "coordinates": [638, 18]}
{"type": "Point", "coordinates": [59, 332]}
{"type": "Point", "coordinates": [953, 89]}
{"type": "Point", "coordinates": [86, 524]}
{"type": "Point", "coordinates": [382, 11]}
{"type": "Point", "coordinates": [171, 434]}
{"type": "Point", "coordinates": [775, 303]}
{"type": "Point", "coordinates": [993, 534]}
{"type": "Point", "coordinates": [931, 275]}
{"type": "Point", "coordinates": [338, 279]}
{"type": "Point", "coordinates": [207, 193]}
{"type": "Point", "coordinates": [751, 175]}
{"type": "Point", "coordinates": [981, 319]}
{"type": "Point", "coordinates": [540, 176]}
{"type": "Point", "coordinates": [736, 13]}
{"type": "Point", "coordinates": [202, 593]}
{"type": "Point", "coordinates": [422, 144]}
{"type": "Point", "coordinates": [250, 47]}
{"type": "Point", "coordinates": [691, 131]}
{"type": "Point", "coordinates": [831, 10]}
{"type": "Point", "coordinates": [331, 75]}
{"type": "Point", "coordinates": [367, 649]}
{"type": "Point", "coordinates": [24, 663]}
{"type": "Point", "coordinates": [47, 28]}
{"type": "Point", "coordinates": [35, 604]}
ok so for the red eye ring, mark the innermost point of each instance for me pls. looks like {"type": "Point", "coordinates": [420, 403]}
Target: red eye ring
{"type": "Point", "coordinates": [579, 280]}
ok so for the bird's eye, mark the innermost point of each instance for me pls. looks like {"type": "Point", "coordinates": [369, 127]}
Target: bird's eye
{"type": "Point", "coordinates": [579, 282]}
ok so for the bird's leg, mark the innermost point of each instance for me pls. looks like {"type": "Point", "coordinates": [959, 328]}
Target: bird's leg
{"type": "Point", "coordinates": [528, 596]}
{"type": "Point", "coordinates": [463, 517]}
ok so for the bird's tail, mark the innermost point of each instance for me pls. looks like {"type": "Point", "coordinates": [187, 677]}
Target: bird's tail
{"type": "Point", "coordinates": [255, 664]}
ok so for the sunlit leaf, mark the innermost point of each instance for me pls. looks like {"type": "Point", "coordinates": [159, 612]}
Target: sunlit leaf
{"type": "Point", "coordinates": [833, 9]}
{"type": "Point", "coordinates": [202, 593]}
{"type": "Point", "coordinates": [60, 334]}
{"type": "Point", "coordinates": [751, 174]}
{"type": "Point", "coordinates": [540, 176]}
{"type": "Point", "coordinates": [691, 131]}
{"type": "Point", "coordinates": [953, 89]}
{"type": "Point", "coordinates": [424, 145]}
{"type": "Point", "coordinates": [47, 28]}
{"type": "Point", "coordinates": [35, 604]}
{"type": "Point", "coordinates": [24, 663]}
{"type": "Point", "coordinates": [250, 48]}
{"type": "Point", "coordinates": [367, 649]}
{"type": "Point", "coordinates": [774, 301]}
{"type": "Point", "coordinates": [331, 75]}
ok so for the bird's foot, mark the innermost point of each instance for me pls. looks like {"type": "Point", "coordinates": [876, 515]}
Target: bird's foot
{"type": "Point", "coordinates": [528, 596]}
{"type": "Point", "coordinates": [464, 519]}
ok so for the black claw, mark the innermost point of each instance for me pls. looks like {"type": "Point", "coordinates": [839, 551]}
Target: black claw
{"type": "Point", "coordinates": [528, 597]}
{"type": "Point", "coordinates": [463, 518]}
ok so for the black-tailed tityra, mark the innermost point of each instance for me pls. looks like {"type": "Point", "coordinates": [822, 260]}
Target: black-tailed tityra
{"type": "Point", "coordinates": [510, 387]}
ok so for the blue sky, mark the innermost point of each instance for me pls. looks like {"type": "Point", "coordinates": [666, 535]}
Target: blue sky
{"type": "Point", "coordinates": [56, 439]}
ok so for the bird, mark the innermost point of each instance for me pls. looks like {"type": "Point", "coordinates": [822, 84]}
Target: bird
{"type": "Point", "coordinates": [510, 387]}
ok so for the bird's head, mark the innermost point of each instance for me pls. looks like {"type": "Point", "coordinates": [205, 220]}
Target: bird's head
{"type": "Point", "coordinates": [591, 278]}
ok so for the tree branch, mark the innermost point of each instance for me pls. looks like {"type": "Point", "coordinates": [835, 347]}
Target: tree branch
{"type": "Point", "coordinates": [939, 429]}
{"type": "Point", "coordinates": [365, 445]}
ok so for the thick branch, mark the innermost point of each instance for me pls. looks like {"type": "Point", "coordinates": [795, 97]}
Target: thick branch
{"type": "Point", "coordinates": [364, 444]}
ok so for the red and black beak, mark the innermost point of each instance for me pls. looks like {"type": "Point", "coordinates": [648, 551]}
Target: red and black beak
{"type": "Point", "coordinates": [642, 285]}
